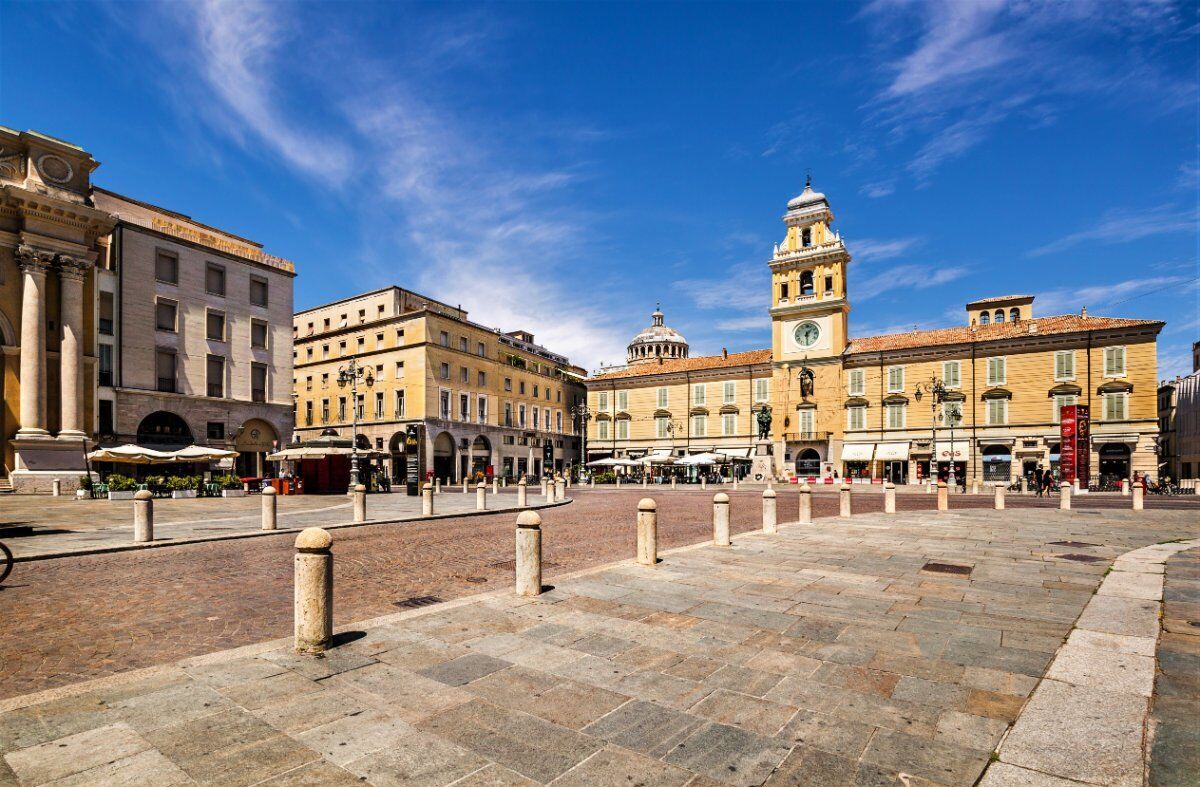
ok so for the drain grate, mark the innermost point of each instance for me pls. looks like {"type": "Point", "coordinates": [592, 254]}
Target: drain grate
{"type": "Point", "coordinates": [948, 568]}
{"type": "Point", "coordinates": [412, 602]}
{"type": "Point", "coordinates": [1072, 544]}
{"type": "Point", "coordinates": [1081, 558]}
{"type": "Point", "coordinates": [511, 565]}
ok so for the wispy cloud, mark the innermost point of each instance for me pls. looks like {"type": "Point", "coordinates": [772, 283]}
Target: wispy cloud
{"type": "Point", "coordinates": [878, 189]}
{"type": "Point", "coordinates": [1123, 226]}
{"type": "Point", "coordinates": [751, 322]}
{"type": "Point", "coordinates": [905, 278]}
{"type": "Point", "coordinates": [1099, 297]}
{"type": "Point", "coordinates": [745, 287]}
{"type": "Point", "coordinates": [873, 249]}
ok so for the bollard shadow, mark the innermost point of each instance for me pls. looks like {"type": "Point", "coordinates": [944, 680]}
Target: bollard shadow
{"type": "Point", "coordinates": [547, 588]}
{"type": "Point", "coordinates": [346, 637]}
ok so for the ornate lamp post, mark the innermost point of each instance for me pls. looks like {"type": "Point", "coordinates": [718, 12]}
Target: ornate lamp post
{"type": "Point", "coordinates": [583, 414]}
{"type": "Point", "coordinates": [351, 374]}
{"type": "Point", "coordinates": [937, 389]}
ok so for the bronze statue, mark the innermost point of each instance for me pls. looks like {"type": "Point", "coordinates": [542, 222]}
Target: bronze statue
{"type": "Point", "coordinates": [806, 383]}
{"type": "Point", "coordinates": [764, 423]}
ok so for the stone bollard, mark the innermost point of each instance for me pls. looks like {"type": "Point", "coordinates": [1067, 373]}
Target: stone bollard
{"type": "Point", "coordinates": [529, 554]}
{"type": "Point", "coordinates": [56, 487]}
{"type": "Point", "coordinates": [437, 486]}
{"type": "Point", "coordinates": [1137, 498]}
{"type": "Point", "coordinates": [889, 497]}
{"type": "Point", "coordinates": [673, 482]}
{"type": "Point", "coordinates": [703, 483]}
{"type": "Point", "coordinates": [721, 519]}
{"type": "Point", "coordinates": [647, 532]}
{"type": "Point", "coordinates": [975, 486]}
{"type": "Point", "coordinates": [998, 504]}
{"type": "Point", "coordinates": [504, 483]}
{"type": "Point", "coordinates": [645, 482]}
{"type": "Point", "coordinates": [770, 518]}
{"type": "Point", "coordinates": [560, 489]}
{"type": "Point", "coordinates": [464, 486]}
{"type": "Point", "coordinates": [618, 482]}
{"type": "Point", "coordinates": [143, 516]}
{"type": "Point", "coordinates": [845, 506]}
{"type": "Point", "coordinates": [930, 487]}
{"type": "Point", "coordinates": [543, 482]}
{"type": "Point", "coordinates": [270, 501]}
{"type": "Point", "coordinates": [360, 503]}
{"type": "Point", "coordinates": [943, 496]}
{"type": "Point", "coordinates": [522, 492]}
{"type": "Point", "coordinates": [1024, 484]}
{"type": "Point", "coordinates": [427, 500]}
{"type": "Point", "coordinates": [495, 485]}
{"type": "Point", "coordinates": [735, 483]}
{"type": "Point", "coordinates": [1125, 488]}
{"type": "Point", "coordinates": [805, 504]}
{"type": "Point", "coordinates": [1075, 486]}
{"type": "Point", "coordinates": [314, 591]}
{"type": "Point", "coordinates": [481, 497]}
{"type": "Point", "coordinates": [592, 482]}
{"type": "Point", "coordinates": [1064, 497]}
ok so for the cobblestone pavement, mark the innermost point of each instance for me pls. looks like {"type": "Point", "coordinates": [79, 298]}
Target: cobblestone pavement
{"type": "Point", "coordinates": [1175, 752]}
{"type": "Point", "coordinates": [877, 650]}
{"type": "Point", "coordinates": [74, 618]}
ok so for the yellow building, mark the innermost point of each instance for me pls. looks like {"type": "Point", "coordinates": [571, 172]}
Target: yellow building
{"type": "Point", "coordinates": [983, 398]}
{"type": "Point", "coordinates": [486, 401]}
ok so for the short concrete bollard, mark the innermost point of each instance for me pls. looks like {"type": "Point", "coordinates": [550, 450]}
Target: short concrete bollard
{"type": "Point", "coordinates": [889, 498]}
{"type": "Point", "coordinates": [618, 482]}
{"type": "Point", "coordinates": [770, 515]}
{"type": "Point", "coordinates": [735, 483]}
{"type": "Point", "coordinates": [645, 482]}
{"type": "Point", "coordinates": [529, 554]}
{"type": "Point", "coordinates": [721, 519]}
{"type": "Point", "coordinates": [522, 491]}
{"type": "Point", "coordinates": [464, 486]}
{"type": "Point", "coordinates": [703, 483]}
{"type": "Point", "coordinates": [647, 532]}
{"type": "Point", "coordinates": [1137, 498]}
{"type": "Point", "coordinates": [975, 486]}
{"type": "Point", "coordinates": [437, 486]}
{"type": "Point", "coordinates": [270, 502]}
{"type": "Point", "coordinates": [943, 496]}
{"type": "Point", "coordinates": [1064, 497]}
{"type": "Point", "coordinates": [930, 487]}
{"type": "Point", "coordinates": [143, 516]}
{"type": "Point", "coordinates": [56, 488]}
{"type": "Point", "coordinates": [560, 489]}
{"type": "Point", "coordinates": [592, 483]}
{"type": "Point", "coordinates": [427, 500]}
{"type": "Point", "coordinates": [544, 486]}
{"type": "Point", "coordinates": [481, 497]}
{"type": "Point", "coordinates": [998, 503]}
{"type": "Point", "coordinates": [1024, 484]}
{"type": "Point", "coordinates": [805, 517]}
{"type": "Point", "coordinates": [672, 483]}
{"type": "Point", "coordinates": [360, 503]}
{"type": "Point", "coordinates": [314, 591]}
{"type": "Point", "coordinates": [845, 506]}
{"type": "Point", "coordinates": [495, 485]}
{"type": "Point", "coordinates": [1125, 488]}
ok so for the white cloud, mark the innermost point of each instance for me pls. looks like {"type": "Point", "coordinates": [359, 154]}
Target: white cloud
{"type": "Point", "coordinates": [879, 189]}
{"type": "Point", "coordinates": [1098, 297]}
{"type": "Point", "coordinates": [751, 322]}
{"type": "Point", "coordinates": [905, 278]}
{"type": "Point", "coordinates": [1123, 226]}
{"type": "Point", "coordinates": [742, 288]}
{"type": "Point", "coordinates": [868, 249]}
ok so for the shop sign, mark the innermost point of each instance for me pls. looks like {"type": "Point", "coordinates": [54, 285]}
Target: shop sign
{"type": "Point", "coordinates": [1075, 451]}
{"type": "Point", "coordinates": [412, 459]}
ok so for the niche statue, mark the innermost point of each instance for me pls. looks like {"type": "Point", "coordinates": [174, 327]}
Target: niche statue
{"type": "Point", "coordinates": [806, 383]}
{"type": "Point", "coordinates": [764, 423]}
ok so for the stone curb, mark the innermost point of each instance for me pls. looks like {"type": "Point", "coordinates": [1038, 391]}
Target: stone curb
{"type": "Point", "coordinates": [262, 533]}
{"type": "Point", "coordinates": [1086, 721]}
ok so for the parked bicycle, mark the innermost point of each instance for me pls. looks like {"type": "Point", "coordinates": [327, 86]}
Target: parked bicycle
{"type": "Point", "coordinates": [6, 562]}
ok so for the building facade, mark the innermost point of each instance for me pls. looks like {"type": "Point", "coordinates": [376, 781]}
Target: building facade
{"type": "Point", "coordinates": [486, 402]}
{"type": "Point", "coordinates": [1179, 423]}
{"type": "Point", "coordinates": [122, 323]}
{"type": "Point", "coordinates": [982, 400]}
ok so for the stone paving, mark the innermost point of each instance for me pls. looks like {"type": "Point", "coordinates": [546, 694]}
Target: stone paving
{"type": "Point", "coordinates": [877, 650]}
{"type": "Point", "coordinates": [1175, 721]}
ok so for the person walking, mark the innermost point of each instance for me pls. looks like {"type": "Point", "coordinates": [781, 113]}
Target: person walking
{"type": "Point", "coordinates": [1048, 482]}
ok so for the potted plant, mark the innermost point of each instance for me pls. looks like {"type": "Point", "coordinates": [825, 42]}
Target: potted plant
{"type": "Point", "coordinates": [85, 487]}
{"type": "Point", "coordinates": [121, 487]}
{"type": "Point", "coordinates": [181, 487]}
{"type": "Point", "coordinates": [231, 486]}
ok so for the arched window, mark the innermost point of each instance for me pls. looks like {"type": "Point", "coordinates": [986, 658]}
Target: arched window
{"type": "Point", "coordinates": [806, 283]}
{"type": "Point", "coordinates": [1014, 314]}
{"type": "Point", "coordinates": [984, 318]}
{"type": "Point", "coordinates": [806, 237]}
{"type": "Point", "coordinates": [999, 315]}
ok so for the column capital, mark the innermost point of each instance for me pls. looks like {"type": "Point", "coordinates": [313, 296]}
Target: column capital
{"type": "Point", "coordinates": [34, 260]}
{"type": "Point", "coordinates": [74, 268]}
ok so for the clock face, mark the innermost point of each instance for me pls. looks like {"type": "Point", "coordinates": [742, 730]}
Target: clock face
{"type": "Point", "coordinates": [807, 334]}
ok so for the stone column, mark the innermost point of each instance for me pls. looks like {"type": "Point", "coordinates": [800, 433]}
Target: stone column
{"type": "Point", "coordinates": [999, 502]}
{"type": "Point", "coordinates": [1137, 498]}
{"type": "Point", "coordinates": [805, 504]}
{"type": "Point", "coordinates": [770, 519]}
{"type": "Point", "coordinates": [426, 500]}
{"type": "Point", "coordinates": [143, 516]}
{"type": "Point", "coordinates": [943, 496]}
{"type": "Point", "coordinates": [889, 497]}
{"type": "Point", "coordinates": [522, 492]}
{"type": "Point", "coordinates": [313, 591]}
{"type": "Point", "coordinates": [269, 500]}
{"type": "Point", "coordinates": [70, 284]}
{"type": "Point", "coordinates": [1064, 497]}
{"type": "Point", "coordinates": [529, 554]}
{"type": "Point", "coordinates": [34, 264]}
{"type": "Point", "coordinates": [360, 503]}
{"type": "Point", "coordinates": [845, 506]}
{"type": "Point", "coordinates": [647, 532]}
{"type": "Point", "coordinates": [721, 519]}
{"type": "Point", "coordinates": [481, 497]}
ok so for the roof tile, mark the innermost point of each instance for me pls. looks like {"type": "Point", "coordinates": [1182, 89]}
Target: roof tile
{"type": "Point", "coordinates": [1064, 323]}
{"type": "Point", "coordinates": [696, 364]}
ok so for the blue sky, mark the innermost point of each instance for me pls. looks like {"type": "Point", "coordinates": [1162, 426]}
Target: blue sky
{"type": "Point", "coordinates": [562, 167]}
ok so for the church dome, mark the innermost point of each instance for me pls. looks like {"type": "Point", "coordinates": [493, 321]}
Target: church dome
{"type": "Point", "coordinates": [656, 341]}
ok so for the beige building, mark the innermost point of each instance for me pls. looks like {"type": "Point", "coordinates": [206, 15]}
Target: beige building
{"type": "Point", "coordinates": [122, 322]}
{"type": "Point", "coordinates": [983, 398]}
{"type": "Point", "coordinates": [486, 401]}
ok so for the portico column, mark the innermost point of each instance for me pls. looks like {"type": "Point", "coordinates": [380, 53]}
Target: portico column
{"type": "Point", "coordinates": [34, 264]}
{"type": "Point", "coordinates": [70, 277]}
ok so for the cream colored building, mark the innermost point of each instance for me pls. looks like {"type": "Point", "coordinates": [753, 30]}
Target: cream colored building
{"type": "Point", "coordinates": [864, 407]}
{"type": "Point", "coordinates": [486, 401]}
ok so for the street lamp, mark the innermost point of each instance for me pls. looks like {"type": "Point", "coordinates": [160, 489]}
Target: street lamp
{"type": "Point", "coordinates": [583, 414]}
{"type": "Point", "coordinates": [351, 374]}
{"type": "Point", "coordinates": [937, 389]}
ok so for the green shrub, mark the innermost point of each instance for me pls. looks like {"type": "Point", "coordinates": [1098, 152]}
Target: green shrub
{"type": "Point", "coordinates": [121, 483]}
{"type": "Point", "coordinates": [180, 483]}
{"type": "Point", "coordinates": [85, 483]}
{"type": "Point", "coordinates": [229, 482]}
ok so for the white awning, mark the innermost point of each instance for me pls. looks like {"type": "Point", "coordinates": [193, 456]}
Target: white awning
{"type": "Point", "coordinates": [737, 453]}
{"type": "Point", "coordinates": [891, 452]}
{"type": "Point", "coordinates": [960, 450]}
{"type": "Point", "coordinates": [857, 452]}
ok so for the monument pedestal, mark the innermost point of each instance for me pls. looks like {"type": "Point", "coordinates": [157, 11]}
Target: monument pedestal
{"type": "Point", "coordinates": [762, 462]}
{"type": "Point", "coordinates": [41, 460]}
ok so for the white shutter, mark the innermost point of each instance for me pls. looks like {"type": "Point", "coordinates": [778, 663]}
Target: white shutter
{"type": "Point", "coordinates": [857, 382]}
{"type": "Point", "coordinates": [1114, 361]}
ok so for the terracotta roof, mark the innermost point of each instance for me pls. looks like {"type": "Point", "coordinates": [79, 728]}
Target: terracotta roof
{"type": "Point", "coordinates": [689, 364]}
{"type": "Point", "coordinates": [1002, 298]}
{"type": "Point", "coordinates": [1065, 323]}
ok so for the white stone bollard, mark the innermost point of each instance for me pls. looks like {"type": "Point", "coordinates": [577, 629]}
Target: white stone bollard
{"type": "Point", "coordinates": [1064, 497]}
{"type": "Point", "coordinates": [647, 532]}
{"type": "Point", "coordinates": [1125, 488]}
{"type": "Point", "coordinates": [560, 489]}
{"type": "Point", "coordinates": [464, 486]}
{"type": "Point", "coordinates": [1137, 498]}
{"type": "Point", "coordinates": [943, 496]}
{"type": "Point", "coordinates": [721, 519]}
{"type": "Point", "coordinates": [143, 516]}
{"type": "Point", "coordinates": [618, 482]}
{"type": "Point", "coordinates": [437, 486]}
{"type": "Point", "coordinates": [1024, 484]}
{"type": "Point", "coordinates": [1075, 486]}
{"type": "Point", "coordinates": [998, 504]}
{"type": "Point", "coordinates": [645, 481]}
{"type": "Point", "coordinates": [56, 487]}
{"type": "Point", "coordinates": [504, 483]}
{"type": "Point", "coordinates": [889, 497]}
{"type": "Point", "coordinates": [544, 486]}
{"type": "Point", "coordinates": [529, 554]}
{"type": "Point", "coordinates": [703, 483]}
{"type": "Point", "coordinates": [360, 503]}
{"type": "Point", "coordinates": [270, 499]}
{"type": "Point", "coordinates": [592, 482]}
{"type": "Point", "coordinates": [770, 518]}
{"type": "Point", "coordinates": [522, 491]}
{"type": "Point", "coordinates": [975, 486]}
{"type": "Point", "coordinates": [313, 591]}
{"type": "Point", "coordinates": [845, 506]}
{"type": "Point", "coordinates": [673, 482]}
{"type": "Point", "coordinates": [805, 504]}
{"type": "Point", "coordinates": [427, 500]}
{"type": "Point", "coordinates": [929, 488]}
{"type": "Point", "coordinates": [735, 483]}
{"type": "Point", "coordinates": [481, 497]}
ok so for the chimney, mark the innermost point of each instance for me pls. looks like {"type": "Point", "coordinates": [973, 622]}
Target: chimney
{"type": "Point", "coordinates": [1032, 326]}
{"type": "Point", "coordinates": [1083, 313]}
{"type": "Point", "coordinates": [724, 353]}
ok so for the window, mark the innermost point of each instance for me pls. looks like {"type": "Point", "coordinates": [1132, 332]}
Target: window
{"type": "Point", "coordinates": [324, 411]}
{"type": "Point", "coordinates": [481, 350]}
{"type": "Point", "coordinates": [535, 418]}
{"type": "Point", "coordinates": [378, 341]}
{"type": "Point", "coordinates": [699, 425]}
{"type": "Point", "coordinates": [660, 426]}
{"type": "Point", "coordinates": [164, 365]}
{"type": "Point", "coordinates": [464, 375]}
{"type": "Point", "coordinates": [325, 380]}
{"type": "Point", "coordinates": [216, 376]}
{"type": "Point", "coordinates": [106, 313]}
{"type": "Point", "coordinates": [1061, 401]}
{"type": "Point", "coordinates": [107, 426]}
{"type": "Point", "coordinates": [828, 285]}
{"type": "Point", "coordinates": [481, 409]}
{"type": "Point", "coordinates": [399, 336]}
{"type": "Point", "coordinates": [806, 237]}
{"type": "Point", "coordinates": [464, 407]}
{"type": "Point", "coordinates": [728, 424]}
{"type": "Point", "coordinates": [806, 283]}
{"type": "Point", "coordinates": [997, 412]}
{"type": "Point", "coordinates": [508, 414]}
{"type": "Point", "coordinates": [622, 401]}
{"type": "Point", "coordinates": [308, 413]}
{"type": "Point", "coordinates": [215, 430]}
{"type": "Point", "coordinates": [362, 315]}
{"type": "Point", "coordinates": [508, 384]}
{"type": "Point", "coordinates": [729, 392]}
{"type": "Point", "coordinates": [783, 291]}
{"type": "Point", "coordinates": [378, 404]}
{"type": "Point", "coordinates": [462, 343]}
{"type": "Point", "coordinates": [1114, 361]}
{"type": "Point", "coordinates": [258, 291]}
{"type": "Point", "coordinates": [165, 314]}
{"type": "Point", "coordinates": [1064, 365]}
{"type": "Point", "coordinates": [698, 394]}
{"type": "Point", "coordinates": [214, 279]}
{"type": "Point", "coordinates": [362, 344]}
{"type": "Point", "coordinates": [535, 393]}
{"type": "Point", "coordinates": [1014, 314]}
{"type": "Point", "coordinates": [805, 423]}
{"type": "Point", "coordinates": [342, 347]}
{"type": "Point", "coordinates": [895, 416]}
{"type": "Point", "coordinates": [623, 429]}
{"type": "Point", "coordinates": [521, 416]}
{"type": "Point", "coordinates": [998, 317]}
{"type": "Point", "coordinates": [521, 387]}
{"type": "Point", "coordinates": [444, 405]}
{"type": "Point", "coordinates": [856, 417]}
{"type": "Point", "coordinates": [858, 382]}
{"type": "Point", "coordinates": [341, 408]}
{"type": "Point", "coordinates": [308, 383]}
{"type": "Point", "coordinates": [326, 326]}
{"type": "Point", "coordinates": [895, 378]}
{"type": "Point", "coordinates": [481, 379]}
{"type": "Point", "coordinates": [398, 404]}
{"type": "Point", "coordinates": [762, 389]}
{"type": "Point", "coordinates": [952, 374]}
{"type": "Point", "coordinates": [258, 382]}
{"type": "Point", "coordinates": [558, 420]}
{"type": "Point", "coordinates": [1116, 406]}
{"type": "Point", "coordinates": [602, 430]}
{"type": "Point", "coordinates": [399, 370]}
{"type": "Point", "coordinates": [985, 318]}
{"type": "Point", "coordinates": [166, 267]}
{"type": "Point", "coordinates": [105, 363]}
{"type": "Point", "coordinates": [997, 371]}
{"type": "Point", "coordinates": [308, 354]}
{"type": "Point", "coordinates": [215, 326]}
{"type": "Point", "coordinates": [661, 398]}
{"type": "Point", "coordinates": [258, 334]}
{"type": "Point", "coordinates": [445, 371]}
{"type": "Point", "coordinates": [602, 401]}
{"type": "Point", "coordinates": [360, 406]}
{"type": "Point", "coordinates": [444, 339]}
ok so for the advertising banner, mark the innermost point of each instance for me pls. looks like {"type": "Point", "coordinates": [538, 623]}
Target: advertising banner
{"type": "Point", "coordinates": [412, 458]}
{"type": "Point", "coordinates": [1075, 452]}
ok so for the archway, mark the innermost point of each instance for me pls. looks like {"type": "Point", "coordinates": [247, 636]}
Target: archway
{"type": "Point", "coordinates": [164, 429]}
{"type": "Point", "coordinates": [808, 463]}
{"type": "Point", "coordinates": [396, 452]}
{"type": "Point", "coordinates": [480, 456]}
{"type": "Point", "coordinates": [997, 464]}
{"type": "Point", "coordinates": [255, 439]}
{"type": "Point", "coordinates": [443, 456]}
{"type": "Point", "coordinates": [1114, 461]}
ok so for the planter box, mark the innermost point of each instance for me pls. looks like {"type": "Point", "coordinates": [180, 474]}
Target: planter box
{"type": "Point", "coordinates": [233, 493]}
{"type": "Point", "coordinates": [121, 495]}
{"type": "Point", "coordinates": [181, 494]}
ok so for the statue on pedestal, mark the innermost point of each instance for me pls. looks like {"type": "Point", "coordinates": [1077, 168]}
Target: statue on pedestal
{"type": "Point", "coordinates": [764, 423]}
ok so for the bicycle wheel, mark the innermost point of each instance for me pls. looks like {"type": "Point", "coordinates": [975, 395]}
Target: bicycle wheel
{"type": "Point", "coordinates": [7, 558]}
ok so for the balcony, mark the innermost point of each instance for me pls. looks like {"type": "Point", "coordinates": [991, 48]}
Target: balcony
{"type": "Point", "coordinates": [806, 437]}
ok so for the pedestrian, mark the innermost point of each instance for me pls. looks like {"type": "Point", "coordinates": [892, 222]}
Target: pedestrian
{"type": "Point", "coordinates": [1048, 482]}
{"type": "Point", "coordinates": [1037, 481]}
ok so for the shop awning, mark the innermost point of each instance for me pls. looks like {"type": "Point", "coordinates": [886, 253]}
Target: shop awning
{"type": "Point", "coordinates": [857, 452]}
{"type": "Point", "coordinates": [737, 453]}
{"type": "Point", "coordinates": [959, 450]}
{"type": "Point", "coordinates": [891, 452]}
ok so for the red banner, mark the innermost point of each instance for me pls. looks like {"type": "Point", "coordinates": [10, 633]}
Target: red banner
{"type": "Point", "coordinates": [1075, 452]}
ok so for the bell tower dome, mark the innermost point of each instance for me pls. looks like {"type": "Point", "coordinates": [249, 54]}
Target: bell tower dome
{"type": "Point", "coordinates": [655, 342]}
